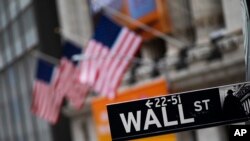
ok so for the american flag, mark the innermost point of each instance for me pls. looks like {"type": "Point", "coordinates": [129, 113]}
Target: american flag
{"type": "Point", "coordinates": [43, 103]}
{"type": "Point", "coordinates": [108, 55]}
{"type": "Point", "coordinates": [68, 84]}
{"type": "Point", "coordinates": [78, 94]}
{"type": "Point", "coordinates": [63, 82]}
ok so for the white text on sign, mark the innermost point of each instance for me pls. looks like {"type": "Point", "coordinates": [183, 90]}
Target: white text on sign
{"type": "Point", "coordinates": [134, 120]}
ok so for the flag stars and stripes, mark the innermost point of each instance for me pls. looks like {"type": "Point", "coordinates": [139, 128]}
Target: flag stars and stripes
{"type": "Point", "coordinates": [43, 104]}
{"type": "Point", "coordinates": [108, 55]}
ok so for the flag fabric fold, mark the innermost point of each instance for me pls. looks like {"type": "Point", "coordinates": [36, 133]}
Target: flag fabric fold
{"type": "Point", "coordinates": [107, 56]}
{"type": "Point", "coordinates": [68, 84]}
{"type": "Point", "coordinates": [43, 103]}
{"type": "Point", "coordinates": [78, 94]}
{"type": "Point", "coordinates": [53, 84]}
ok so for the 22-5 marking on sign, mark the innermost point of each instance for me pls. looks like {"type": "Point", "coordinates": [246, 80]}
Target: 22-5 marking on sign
{"type": "Point", "coordinates": [162, 101]}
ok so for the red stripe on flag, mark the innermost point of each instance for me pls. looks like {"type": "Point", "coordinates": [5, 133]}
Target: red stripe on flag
{"type": "Point", "coordinates": [121, 57]}
{"type": "Point", "coordinates": [105, 73]}
{"type": "Point", "coordinates": [120, 71]}
{"type": "Point", "coordinates": [43, 104]}
{"type": "Point", "coordinates": [77, 95]}
{"type": "Point", "coordinates": [109, 60]}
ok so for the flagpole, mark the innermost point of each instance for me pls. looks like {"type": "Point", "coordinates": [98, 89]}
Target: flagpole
{"type": "Point", "coordinates": [46, 57]}
{"type": "Point", "coordinates": [121, 57]}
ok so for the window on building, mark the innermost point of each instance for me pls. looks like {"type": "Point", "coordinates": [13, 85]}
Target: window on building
{"type": "Point", "coordinates": [18, 32]}
{"type": "Point", "coordinates": [15, 103]}
{"type": "Point", "coordinates": [24, 3]}
{"type": "Point", "coordinates": [3, 17]}
{"type": "Point", "coordinates": [25, 92]}
{"type": "Point", "coordinates": [2, 114]}
{"type": "Point", "coordinates": [12, 7]}
{"type": "Point", "coordinates": [29, 28]}
{"type": "Point", "coordinates": [7, 45]}
{"type": "Point", "coordinates": [1, 52]}
{"type": "Point", "coordinates": [1, 62]}
{"type": "Point", "coordinates": [17, 38]}
{"type": "Point", "coordinates": [8, 130]}
{"type": "Point", "coordinates": [30, 64]}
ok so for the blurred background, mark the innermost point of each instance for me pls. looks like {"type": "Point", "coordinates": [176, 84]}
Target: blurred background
{"type": "Point", "coordinates": [187, 45]}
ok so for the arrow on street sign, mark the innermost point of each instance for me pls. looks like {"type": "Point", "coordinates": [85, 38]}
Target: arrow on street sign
{"type": "Point", "coordinates": [148, 103]}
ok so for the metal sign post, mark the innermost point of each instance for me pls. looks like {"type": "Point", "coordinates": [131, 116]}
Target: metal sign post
{"type": "Point", "coordinates": [245, 4]}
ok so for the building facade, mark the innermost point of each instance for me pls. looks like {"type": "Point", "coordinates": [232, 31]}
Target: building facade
{"type": "Point", "coordinates": [18, 41]}
{"type": "Point", "coordinates": [29, 25]}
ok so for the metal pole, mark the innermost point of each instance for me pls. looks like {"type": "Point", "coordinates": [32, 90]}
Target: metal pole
{"type": "Point", "coordinates": [245, 4]}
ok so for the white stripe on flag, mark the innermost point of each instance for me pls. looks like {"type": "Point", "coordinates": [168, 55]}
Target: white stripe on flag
{"type": "Point", "coordinates": [78, 92]}
{"type": "Point", "coordinates": [86, 61]}
{"type": "Point", "coordinates": [99, 65]}
{"type": "Point", "coordinates": [119, 71]}
{"type": "Point", "coordinates": [93, 63]}
{"type": "Point", "coordinates": [111, 57]}
{"type": "Point", "coordinates": [120, 57]}
{"type": "Point", "coordinates": [108, 59]}
{"type": "Point", "coordinates": [105, 68]}
{"type": "Point", "coordinates": [43, 104]}
{"type": "Point", "coordinates": [129, 55]}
